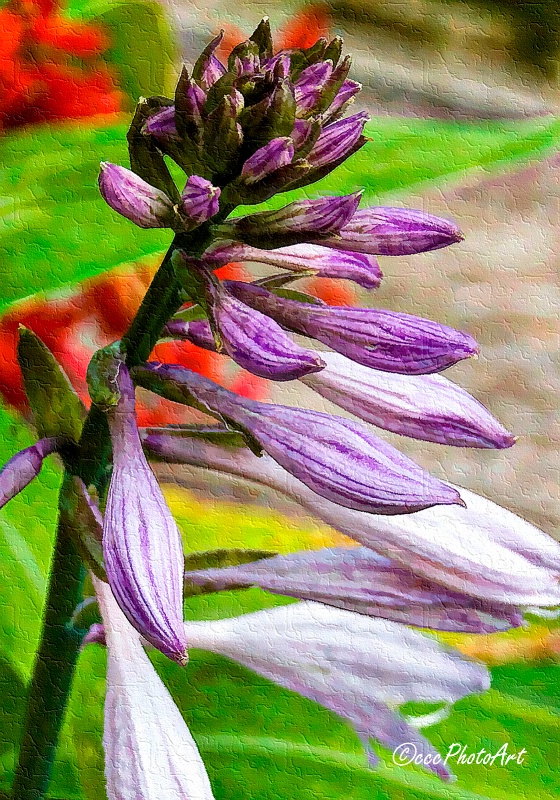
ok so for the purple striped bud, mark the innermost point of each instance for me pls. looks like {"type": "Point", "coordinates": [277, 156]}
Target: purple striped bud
{"type": "Point", "coordinates": [197, 331]}
{"type": "Point", "coordinates": [359, 580]}
{"type": "Point", "coordinates": [345, 95]}
{"type": "Point", "coordinates": [142, 545]}
{"type": "Point", "coordinates": [324, 262]}
{"type": "Point", "coordinates": [257, 343]}
{"type": "Point", "coordinates": [21, 469]}
{"type": "Point", "coordinates": [492, 554]}
{"type": "Point", "coordinates": [359, 667]}
{"type": "Point", "coordinates": [162, 125]}
{"type": "Point", "coordinates": [309, 85]}
{"type": "Point", "coordinates": [302, 219]}
{"type": "Point", "coordinates": [213, 71]}
{"type": "Point", "coordinates": [150, 753]}
{"type": "Point", "coordinates": [427, 407]}
{"type": "Point", "coordinates": [199, 201]}
{"type": "Point", "coordinates": [376, 338]}
{"type": "Point", "coordinates": [336, 458]}
{"type": "Point", "coordinates": [277, 153]}
{"type": "Point", "coordinates": [395, 232]}
{"type": "Point", "coordinates": [133, 198]}
{"type": "Point", "coordinates": [337, 140]}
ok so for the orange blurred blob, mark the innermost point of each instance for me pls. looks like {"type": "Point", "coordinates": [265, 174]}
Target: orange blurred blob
{"type": "Point", "coordinates": [39, 77]}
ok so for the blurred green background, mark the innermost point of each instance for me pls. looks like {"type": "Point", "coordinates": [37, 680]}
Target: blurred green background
{"type": "Point", "coordinates": [464, 100]}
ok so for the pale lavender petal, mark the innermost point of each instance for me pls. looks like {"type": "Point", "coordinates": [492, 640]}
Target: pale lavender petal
{"type": "Point", "coordinates": [481, 550]}
{"type": "Point", "coordinates": [336, 458]}
{"type": "Point", "coordinates": [150, 753]}
{"type": "Point", "coordinates": [274, 155]}
{"type": "Point", "coordinates": [395, 232]}
{"type": "Point", "coordinates": [142, 546]}
{"type": "Point", "coordinates": [22, 468]}
{"type": "Point", "coordinates": [337, 140]}
{"type": "Point", "coordinates": [199, 200]}
{"type": "Point", "coordinates": [427, 407]}
{"type": "Point", "coordinates": [359, 667]}
{"type": "Point", "coordinates": [359, 580]}
{"type": "Point", "coordinates": [377, 338]}
{"type": "Point", "coordinates": [133, 198]}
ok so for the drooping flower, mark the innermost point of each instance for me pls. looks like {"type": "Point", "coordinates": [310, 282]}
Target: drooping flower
{"type": "Point", "coordinates": [142, 545]}
{"type": "Point", "coordinates": [481, 550]}
{"type": "Point", "coordinates": [336, 458]}
{"type": "Point", "coordinates": [150, 753]}
{"type": "Point", "coordinates": [22, 468]}
{"type": "Point", "coordinates": [134, 198]}
{"type": "Point", "coordinates": [358, 579]}
{"type": "Point", "coordinates": [359, 667]}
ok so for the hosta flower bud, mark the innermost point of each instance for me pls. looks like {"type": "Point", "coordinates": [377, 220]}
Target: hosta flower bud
{"type": "Point", "coordinates": [337, 140]}
{"type": "Point", "coordinates": [162, 125]}
{"type": "Point", "coordinates": [150, 753]}
{"type": "Point", "coordinates": [377, 338]}
{"type": "Point", "coordinates": [277, 153]}
{"type": "Point", "coordinates": [427, 407]}
{"type": "Point", "coordinates": [394, 232]}
{"type": "Point", "coordinates": [336, 458]}
{"type": "Point", "coordinates": [359, 580]}
{"type": "Point", "coordinates": [133, 198]}
{"type": "Point", "coordinates": [309, 85]}
{"type": "Point", "coordinates": [324, 262]}
{"type": "Point", "coordinates": [293, 223]}
{"type": "Point", "coordinates": [142, 545]}
{"type": "Point", "coordinates": [22, 468]}
{"type": "Point", "coordinates": [199, 201]}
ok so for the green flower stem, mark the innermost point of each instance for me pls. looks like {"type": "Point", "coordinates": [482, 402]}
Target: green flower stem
{"type": "Point", "coordinates": [60, 642]}
{"type": "Point", "coordinates": [53, 671]}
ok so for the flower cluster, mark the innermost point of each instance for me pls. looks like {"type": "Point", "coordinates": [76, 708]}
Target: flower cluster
{"type": "Point", "coordinates": [431, 554]}
{"type": "Point", "coordinates": [38, 78]}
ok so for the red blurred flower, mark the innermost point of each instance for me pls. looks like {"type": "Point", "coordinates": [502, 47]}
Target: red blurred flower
{"type": "Point", "coordinates": [39, 77]}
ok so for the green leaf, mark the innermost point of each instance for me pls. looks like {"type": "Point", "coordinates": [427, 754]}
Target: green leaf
{"type": "Point", "coordinates": [56, 230]}
{"type": "Point", "coordinates": [57, 409]}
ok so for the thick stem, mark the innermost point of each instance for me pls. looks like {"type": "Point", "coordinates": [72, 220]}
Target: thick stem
{"type": "Point", "coordinates": [59, 648]}
{"type": "Point", "coordinates": [53, 671]}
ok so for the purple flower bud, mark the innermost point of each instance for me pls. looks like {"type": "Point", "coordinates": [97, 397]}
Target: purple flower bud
{"type": "Point", "coordinates": [277, 153]}
{"type": "Point", "coordinates": [361, 668]}
{"type": "Point", "coordinates": [337, 140]}
{"type": "Point", "coordinates": [199, 201]}
{"type": "Point", "coordinates": [150, 753]}
{"type": "Point", "coordinates": [197, 331]}
{"type": "Point", "coordinates": [133, 198]}
{"type": "Point", "coordinates": [493, 555]}
{"type": "Point", "coordinates": [22, 468]}
{"type": "Point", "coordinates": [162, 125]}
{"type": "Point", "coordinates": [213, 71]}
{"type": "Point", "coordinates": [309, 218]}
{"type": "Point", "coordinates": [359, 580]}
{"type": "Point", "coordinates": [427, 407]}
{"type": "Point", "coordinates": [308, 87]}
{"type": "Point", "coordinates": [338, 459]}
{"type": "Point", "coordinates": [376, 338]}
{"type": "Point", "coordinates": [258, 344]}
{"type": "Point", "coordinates": [346, 94]}
{"type": "Point", "coordinates": [142, 545]}
{"type": "Point", "coordinates": [324, 262]}
{"type": "Point", "coordinates": [395, 232]}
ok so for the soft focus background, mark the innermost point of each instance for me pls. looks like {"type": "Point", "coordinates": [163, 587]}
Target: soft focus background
{"type": "Point", "coordinates": [464, 100]}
